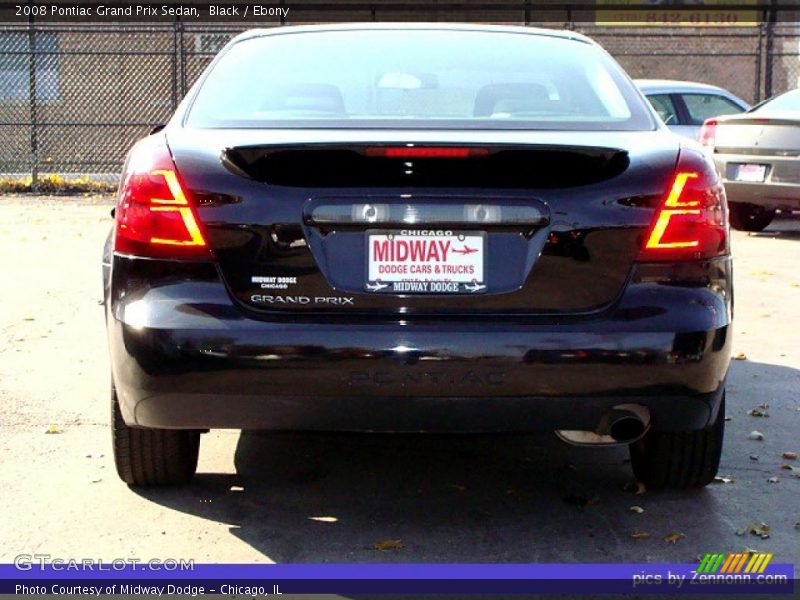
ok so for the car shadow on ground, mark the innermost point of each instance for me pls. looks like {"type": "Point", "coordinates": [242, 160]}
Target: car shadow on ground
{"type": "Point", "coordinates": [451, 498]}
{"type": "Point", "coordinates": [492, 498]}
{"type": "Point", "coordinates": [784, 227]}
{"type": "Point", "coordinates": [331, 498]}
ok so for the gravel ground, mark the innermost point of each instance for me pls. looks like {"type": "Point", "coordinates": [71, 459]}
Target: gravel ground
{"type": "Point", "coordinates": [331, 498]}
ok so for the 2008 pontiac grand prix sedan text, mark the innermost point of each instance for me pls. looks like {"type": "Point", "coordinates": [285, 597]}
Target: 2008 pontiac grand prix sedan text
{"type": "Point", "coordinates": [419, 228]}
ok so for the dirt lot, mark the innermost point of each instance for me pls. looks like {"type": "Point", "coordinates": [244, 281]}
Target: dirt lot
{"type": "Point", "coordinates": [315, 498]}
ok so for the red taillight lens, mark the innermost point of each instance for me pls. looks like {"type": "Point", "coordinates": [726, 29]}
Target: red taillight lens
{"type": "Point", "coordinates": [425, 152]}
{"type": "Point", "coordinates": [154, 216]}
{"type": "Point", "coordinates": [692, 221]}
{"type": "Point", "coordinates": [708, 132]}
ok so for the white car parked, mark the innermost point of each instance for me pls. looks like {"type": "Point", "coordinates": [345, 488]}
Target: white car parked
{"type": "Point", "coordinates": [684, 105]}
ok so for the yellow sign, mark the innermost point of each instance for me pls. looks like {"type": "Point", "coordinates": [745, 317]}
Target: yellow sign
{"type": "Point", "coordinates": [653, 13]}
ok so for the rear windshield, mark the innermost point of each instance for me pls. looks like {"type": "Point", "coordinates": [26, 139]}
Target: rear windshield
{"type": "Point", "coordinates": [417, 79]}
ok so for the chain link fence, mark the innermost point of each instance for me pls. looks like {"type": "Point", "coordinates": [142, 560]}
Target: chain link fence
{"type": "Point", "coordinates": [73, 98]}
{"type": "Point", "coordinates": [783, 54]}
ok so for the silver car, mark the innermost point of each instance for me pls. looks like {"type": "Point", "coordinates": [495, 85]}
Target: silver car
{"type": "Point", "coordinates": [758, 155]}
{"type": "Point", "coordinates": [684, 105]}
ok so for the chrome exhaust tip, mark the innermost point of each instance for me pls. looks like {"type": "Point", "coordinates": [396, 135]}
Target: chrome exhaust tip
{"type": "Point", "coordinates": [622, 424]}
{"type": "Point", "coordinates": [626, 429]}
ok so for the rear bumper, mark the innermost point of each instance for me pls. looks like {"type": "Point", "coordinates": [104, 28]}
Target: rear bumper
{"type": "Point", "coordinates": [781, 189]}
{"type": "Point", "coordinates": [768, 195]}
{"type": "Point", "coordinates": [184, 356]}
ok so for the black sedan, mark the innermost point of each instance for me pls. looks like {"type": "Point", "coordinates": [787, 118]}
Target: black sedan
{"type": "Point", "coordinates": [419, 228]}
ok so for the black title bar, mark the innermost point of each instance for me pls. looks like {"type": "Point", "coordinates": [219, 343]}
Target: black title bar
{"type": "Point", "coordinates": [677, 12]}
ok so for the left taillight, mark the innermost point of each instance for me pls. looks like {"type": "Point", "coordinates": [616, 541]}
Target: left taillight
{"type": "Point", "coordinates": [691, 222]}
{"type": "Point", "coordinates": [154, 216]}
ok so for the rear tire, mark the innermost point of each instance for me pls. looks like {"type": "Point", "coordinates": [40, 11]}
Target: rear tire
{"type": "Point", "coordinates": [145, 457]}
{"type": "Point", "coordinates": [750, 217]}
{"type": "Point", "coordinates": [679, 460]}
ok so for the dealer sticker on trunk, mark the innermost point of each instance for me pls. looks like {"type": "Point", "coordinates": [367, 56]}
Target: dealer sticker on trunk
{"type": "Point", "coordinates": [425, 261]}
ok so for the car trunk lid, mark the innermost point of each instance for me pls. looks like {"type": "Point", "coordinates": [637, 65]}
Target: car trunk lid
{"type": "Point", "coordinates": [302, 221]}
{"type": "Point", "coordinates": [758, 135]}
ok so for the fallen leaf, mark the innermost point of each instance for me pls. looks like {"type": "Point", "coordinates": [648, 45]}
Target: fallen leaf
{"type": "Point", "coordinates": [757, 412]}
{"type": "Point", "coordinates": [773, 480]}
{"type": "Point", "coordinates": [52, 429]}
{"type": "Point", "coordinates": [790, 455]}
{"type": "Point", "coordinates": [759, 529]}
{"type": "Point", "coordinates": [672, 538]}
{"type": "Point", "coordinates": [740, 356]}
{"type": "Point", "coordinates": [719, 479]}
{"type": "Point", "coordinates": [637, 487]}
{"type": "Point", "coordinates": [755, 435]}
{"type": "Point", "coordinates": [384, 545]}
{"type": "Point", "coordinates": [636, 509]}
{"type": "Point", "coordinates": [795, 470]}
{"type": "Point", "coordinates": [640, 535]}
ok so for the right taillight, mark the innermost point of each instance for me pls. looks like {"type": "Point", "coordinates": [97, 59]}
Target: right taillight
{"type": "Point", "coordinates": [708, 132]}
{"type": "Point", "coordinates": [154, 215]}
{"type": "Point", "coordinates": [691, 222]}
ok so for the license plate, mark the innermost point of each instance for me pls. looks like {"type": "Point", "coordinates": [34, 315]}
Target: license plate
{"type": "Point", "coordinates": [421, 261]}
{"type": "Point", "coordinates": [752, 173]}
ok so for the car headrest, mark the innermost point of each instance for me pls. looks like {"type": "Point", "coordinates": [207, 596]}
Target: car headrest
{"type": "Point", "coordinates": [321, 97]}
{"type": "Point", "coordinates": [510, 97]}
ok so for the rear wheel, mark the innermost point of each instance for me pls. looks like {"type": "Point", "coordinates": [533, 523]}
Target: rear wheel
{"type": "Point", "coordinates": [152, 456]}
{"type": "Point", "coordinates": [750, 217]}
{"type": "Point", "coordinates": [679, 460]}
